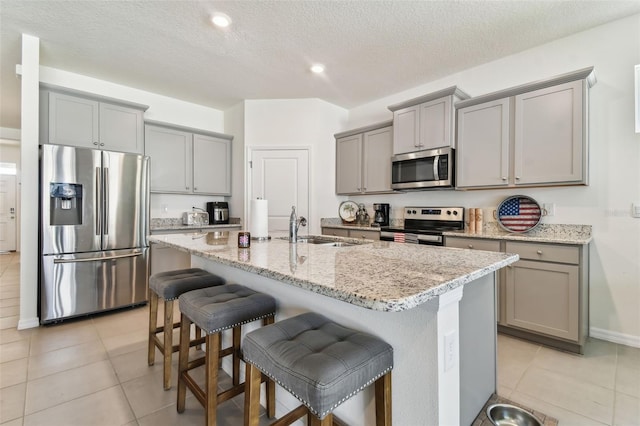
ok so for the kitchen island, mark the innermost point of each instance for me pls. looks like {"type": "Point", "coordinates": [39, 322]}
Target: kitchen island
{"type": "Point", "coordinates": [434, 305]}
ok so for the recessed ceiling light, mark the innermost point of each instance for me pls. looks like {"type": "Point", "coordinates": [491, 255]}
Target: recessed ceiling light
{"type": "Point", "coordinates": [221, 20]}
{"type": "Point", "coordinates": [317, 68]}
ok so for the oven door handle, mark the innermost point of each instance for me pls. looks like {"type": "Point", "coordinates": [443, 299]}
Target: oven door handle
{"type": "Point", "coordinates": [436, 166]}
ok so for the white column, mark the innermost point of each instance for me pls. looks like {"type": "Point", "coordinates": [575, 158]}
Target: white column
{"type": "Point", "coordinates": [29, 182]}
{"type": "Point", "coordinates": [448, 339]}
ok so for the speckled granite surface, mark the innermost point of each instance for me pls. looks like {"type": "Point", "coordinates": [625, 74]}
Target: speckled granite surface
{"type": "Point", "coordinates": [171, 224]}
{"type": "Point", "coordinates": [483, 420]}
{"type": "Point", "coordinates": [544, 233]}
{"type": "Point", "coordinates": [381, 275]}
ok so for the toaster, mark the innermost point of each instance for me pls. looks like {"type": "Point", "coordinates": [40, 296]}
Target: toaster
{"type": "Point", "coordinates": [195, 218]}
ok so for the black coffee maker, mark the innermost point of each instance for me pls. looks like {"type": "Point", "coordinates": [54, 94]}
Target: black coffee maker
{"type": "Point", "coordinates": [381, 214]}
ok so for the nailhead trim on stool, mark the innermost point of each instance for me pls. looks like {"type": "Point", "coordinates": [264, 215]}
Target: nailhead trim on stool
{"type": "Point", "coordinates": [169, 286]}
{"type": "Point", "coordinates": [318, 361]}
{"type": "Point", "coordinates": [214, 310]}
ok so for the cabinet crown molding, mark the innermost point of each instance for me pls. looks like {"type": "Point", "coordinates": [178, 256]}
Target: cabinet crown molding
{"type": "Point", "coordinates": [587, 74]}
{"type": "Point", "coordinates": [368, 128]}
{"type": "Point", "coordinates": [449, 91]}
{"type": "Point", "coordinates": [188, 129]}
{"type": "Point", "coordinates": [92, 96]}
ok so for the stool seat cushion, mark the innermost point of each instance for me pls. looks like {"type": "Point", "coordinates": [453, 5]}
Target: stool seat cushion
{"type": "Point", "coordinates": [320, 362]}
{"type": "Point", "coordinates": [214, 309]}
{"type": "Point", "coordinates": [171, 284]}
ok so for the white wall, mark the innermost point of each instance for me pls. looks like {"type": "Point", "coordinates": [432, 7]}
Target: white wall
{"type": "Point", "coordinates": [234, 125]}
{"type": "Point", "coordinates": [301, 123]}
{"type": "Point", "coordinates": [605, 204]}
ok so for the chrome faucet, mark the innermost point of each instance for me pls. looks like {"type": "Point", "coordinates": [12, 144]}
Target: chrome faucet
{"type": "Point", "coordinates": [294, 224]}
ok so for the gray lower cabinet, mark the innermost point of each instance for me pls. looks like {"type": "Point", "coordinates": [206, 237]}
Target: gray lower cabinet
{"type": "Point", "coordinates": [531, 135]}
{"type": "Point", "coordinates": [363, 160]}
{"type": "Point", "coordinates": [183, 161]}
{"type": "Point", "coordinates": [544, 296]}
{"type": "Point", "coordinates": [91, 122]}
{"type": "Point", "coordinates": [351, 233]}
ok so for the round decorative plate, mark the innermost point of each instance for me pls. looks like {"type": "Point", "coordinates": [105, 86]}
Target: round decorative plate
{"type": "Point", "coordinates": [347, 211]}
{"type": "Point", "coordinates": [519, 214]}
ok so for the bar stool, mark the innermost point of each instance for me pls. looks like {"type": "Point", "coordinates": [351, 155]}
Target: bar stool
{"type": "Point", "coordinates": [214, 310]}
{"type": "Point", "coordinates": [169, 286]}
{"type": "Point", "coordinates": [319, 362]}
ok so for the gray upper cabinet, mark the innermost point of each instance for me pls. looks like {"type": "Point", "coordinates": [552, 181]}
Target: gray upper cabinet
{"type": "Point", "coordinates": [186, 162]}
{"type": "Point", "coordinates": [67, 118]}
{"type": "Point", "coordinates": [211, 165]}
{"type": "Point", "coordinates": [363, 160]}
{"type": "Point", "coordinates": [425, 122]}
{"type": "Point", "coordinates": [531, 135]}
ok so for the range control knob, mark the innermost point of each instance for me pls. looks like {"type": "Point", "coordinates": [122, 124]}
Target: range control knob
{"type": "Point", "coordinates": [455, 212]}
{"type": "Point", "coordinates": [449, 212]}
{"type": "Point", "coordinates": [413, 211]}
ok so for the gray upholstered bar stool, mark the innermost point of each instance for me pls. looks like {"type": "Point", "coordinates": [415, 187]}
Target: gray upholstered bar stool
{"type": "Point", "coordinates": [214, 310]}
{"type": "Point", "coordinates": [169, 286]}
{"type": "Point", "coordinates": [319, 362]}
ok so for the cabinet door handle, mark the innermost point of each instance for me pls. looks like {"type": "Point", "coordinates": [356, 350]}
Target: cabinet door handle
{"type": "Point", "coordinates": [364, 189]}
{"type": "Point", "coordinates": [539, 251]}
{"type": "Point", "coordinates": [195, 189]}
{"type": "Point", "coordinates": [517, 177]}
{"type": "Point", "coordinates": [470, 246]}
{"type": "Point", "coordinates": [186, 187]}
{"type": "Point", "coordinates": [95, 143]}
{"type": "Point", "coordinates": [504, 178]}
{"type": "Point", "coordinates": [101, 144]}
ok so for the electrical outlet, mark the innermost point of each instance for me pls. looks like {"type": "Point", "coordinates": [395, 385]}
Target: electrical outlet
{"type": "Point", "coordinates": [550, 208]}
{"type": "Point", "coordinates": [450, 340]}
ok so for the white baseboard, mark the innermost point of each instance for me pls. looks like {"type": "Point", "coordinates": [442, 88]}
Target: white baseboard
{"type": "Point", "coordinates": [615, 337]}
{"type": "Point", "coordinates": [28, 323]}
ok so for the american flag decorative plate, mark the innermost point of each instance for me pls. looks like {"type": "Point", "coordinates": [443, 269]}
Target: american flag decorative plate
{"type": "Point", "coordinates": [519, 214]}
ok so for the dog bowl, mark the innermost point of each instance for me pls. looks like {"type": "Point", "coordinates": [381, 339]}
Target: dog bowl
{"type": "Point", "coordinates": [510, 415]}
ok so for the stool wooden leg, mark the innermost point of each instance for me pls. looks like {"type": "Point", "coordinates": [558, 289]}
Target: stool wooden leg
{"type": "Point", "coordinates": [211, 363]}
{"type": "Point", "coordinates": [383, 400]}
{"type": "Point", "coordinates": [198, 336]}
{"type": "Point", "coordinates": [153, 325]}
{"type": "Point", "coordinates": [314, 421]}
{"type": "Point", "coordinates": [251, 395]}
{"type": "Point", "coordinates": [168, 342]}
{"type": "Point", "coordinates": [183, 361]}
{"type": "Point", "coordinates": [237, 332]}
{"type": "Point", "coordinates": [271, 385]}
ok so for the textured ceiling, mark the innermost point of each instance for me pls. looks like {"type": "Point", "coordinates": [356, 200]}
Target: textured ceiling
{"type": "Point", "coordinates": [370, 48]}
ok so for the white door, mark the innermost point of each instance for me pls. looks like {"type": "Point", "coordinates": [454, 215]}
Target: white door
{"type": "Point", "coordinates": [280, 176]}
{"type": "Point", "coordinates": [8, 213]}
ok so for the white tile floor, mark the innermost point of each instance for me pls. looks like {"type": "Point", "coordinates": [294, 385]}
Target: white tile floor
{"type": "Point", "coordinates": [94, 372]}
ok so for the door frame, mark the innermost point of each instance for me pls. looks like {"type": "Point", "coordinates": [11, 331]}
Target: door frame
{"type": "Point", "coordinates": [247, 176]}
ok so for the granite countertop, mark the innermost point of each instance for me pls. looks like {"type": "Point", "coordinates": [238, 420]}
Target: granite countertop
{"type": "Point", "coordinates": [380, 275]}
{"type": "Point", "coordinates": [544, 233]}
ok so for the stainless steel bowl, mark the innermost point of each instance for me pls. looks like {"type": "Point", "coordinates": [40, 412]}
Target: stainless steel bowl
{"type": "Point", "coordinates": [510, 415]}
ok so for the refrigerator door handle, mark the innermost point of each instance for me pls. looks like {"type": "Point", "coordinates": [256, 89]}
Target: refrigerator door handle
{"type": "Point", "coordinates": [106, 201]}
{"type": "Point", "coordinates": [97, 259]}
{"type": "Point", "coordinates": [98, 210]}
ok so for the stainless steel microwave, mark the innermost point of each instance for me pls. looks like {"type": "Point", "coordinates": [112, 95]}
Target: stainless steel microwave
{"type": "Point", "coordinates": [428, 169]}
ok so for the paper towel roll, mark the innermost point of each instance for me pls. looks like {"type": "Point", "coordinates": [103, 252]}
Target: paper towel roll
{"type": "Point", "coordinates": [259, 219]}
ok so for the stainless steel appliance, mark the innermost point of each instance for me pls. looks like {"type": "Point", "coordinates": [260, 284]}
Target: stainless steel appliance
{"type": "Point", "coordinates": [428, 169]}
{"type": "Point", "coordinates": [381, 214]}
{"type": "Point", "coordinates": [424, 225]}
{"type": "Point", "coordinates": [218, 212]}
{"type": "Point", "coordinates": [93, 231]}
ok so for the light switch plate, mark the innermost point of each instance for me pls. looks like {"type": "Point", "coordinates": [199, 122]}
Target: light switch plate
{"type": "Point", "coordinates": [635, 209]}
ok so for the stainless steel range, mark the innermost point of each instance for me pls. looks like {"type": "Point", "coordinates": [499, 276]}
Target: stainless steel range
{"type": "Point", "coordinates": [425, 225]}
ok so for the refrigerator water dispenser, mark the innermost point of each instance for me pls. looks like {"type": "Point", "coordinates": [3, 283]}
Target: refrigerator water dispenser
{"type": "Point", "coordinates": [65, 205]}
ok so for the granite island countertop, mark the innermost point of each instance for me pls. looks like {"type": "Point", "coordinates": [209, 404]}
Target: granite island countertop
{"type": "Point", "coordinates": [380, 275]}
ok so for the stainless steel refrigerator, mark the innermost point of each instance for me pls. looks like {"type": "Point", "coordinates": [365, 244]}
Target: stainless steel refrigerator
{"type": "Point", "coordinates": [93, 232]}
